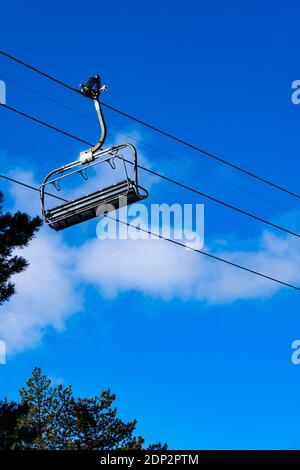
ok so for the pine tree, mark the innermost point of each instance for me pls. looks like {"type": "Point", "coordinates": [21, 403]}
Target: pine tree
{"type": "Point", "coordinates": [42, 402]}
{"type": "Point", "coordinates": [65, 419]}
{"type": "Point", "coordinates": [15, 232]}
{"type": "Point", "coordinates": [59, 421]}
{"type": "Point", "coordinates": [11, 436]}
{"type": "Point", "coordinates": [99, 428]}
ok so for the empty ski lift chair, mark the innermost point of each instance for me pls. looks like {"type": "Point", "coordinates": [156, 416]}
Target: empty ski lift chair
{"type": "Point", "coordinates": [103, 200]}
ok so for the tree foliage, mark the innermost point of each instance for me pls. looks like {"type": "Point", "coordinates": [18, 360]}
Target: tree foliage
{"type": "Point", "coordinates": [12, 434]}
{"type": "Point", "coordinates": [55, 420]}
{"type": "Point", "coordinates": [15, 232]}
{"type": "Point", "coordinates": [98, 427]}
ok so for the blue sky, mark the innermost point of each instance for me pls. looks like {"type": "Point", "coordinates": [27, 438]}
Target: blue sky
{"type": "Point", "coordinates": [201, 360]}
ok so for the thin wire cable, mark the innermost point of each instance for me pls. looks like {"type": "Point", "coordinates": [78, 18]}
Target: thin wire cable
{"type": "Point", "coordinates": [152, 147]}
{"type": "Point", "coordinates": [34, 69]}
{"type": "Point", "coordinates": [205, 253]}
{"type": "Point", "coordinates": [159, 175]}
{"type": "Point", "coordinates": [160, 131]}
{"type": "Point", "coordinates": [29, 186]}
{"type": "Point", "coordinates": [218, 201]}
{"type": "Point", "coordinates": [202, 151]}
{"type": "Point", "coordinates": [170, 240]}
{"type": "Point", "coordinates": [43, 123]}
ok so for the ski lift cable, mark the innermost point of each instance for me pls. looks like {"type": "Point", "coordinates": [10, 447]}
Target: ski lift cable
{"type": "Point", "coordinates": [223, 260]}
{"type": "Point", "coordinates": [152, 147]}
{"type": "Point", "coordinates": [159, 175]}
{"type": "Point", "coordinates": [43, 123]}
{"type": "Point", "coordinates": [170, 240]}
{"type": "Point", "coordinates": [158, 130]}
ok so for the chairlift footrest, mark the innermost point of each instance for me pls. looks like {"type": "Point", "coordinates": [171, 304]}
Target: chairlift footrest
{"type": "Point", "coordinates": [92, 205]}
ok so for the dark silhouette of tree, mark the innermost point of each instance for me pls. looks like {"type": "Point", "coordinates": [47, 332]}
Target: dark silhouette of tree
{"type": "Point", "coordinates": [13, 436]}
{"type": "Point", "coordinates": [157, 446]}
{"type": "Point", "coordinates": [15, 232]}
{"type": "Point", "coordinates": [42, 402]}
{"type": "Point", "coordinates": [98, 427]}
{"type": "Point", "coordinates": [59, 421]}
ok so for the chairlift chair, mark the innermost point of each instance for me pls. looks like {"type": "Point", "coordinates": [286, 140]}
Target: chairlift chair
{"type": "Point", "coordinates": [103, 200]}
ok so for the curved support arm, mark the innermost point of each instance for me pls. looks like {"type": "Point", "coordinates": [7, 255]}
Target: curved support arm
{"type": "Point", "coordinates": [88, 155]}
{"type": "Point", "coordinates": [102, 126]}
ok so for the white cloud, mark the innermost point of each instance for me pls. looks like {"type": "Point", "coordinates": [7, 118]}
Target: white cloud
{"type": "Point", "coordinates": [159, 269]}
{"type": "Point", "coordinates": [48, 292]}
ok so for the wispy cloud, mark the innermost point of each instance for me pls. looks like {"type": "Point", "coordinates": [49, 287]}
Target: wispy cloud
{"type": "Point", "coordinates": [48, 292]}
{"type": "Point", "coordinates": [159, 269]}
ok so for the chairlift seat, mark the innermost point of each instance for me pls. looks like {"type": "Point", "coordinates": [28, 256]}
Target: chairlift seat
{"type": "Point", "coordinates": [92, 205]}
